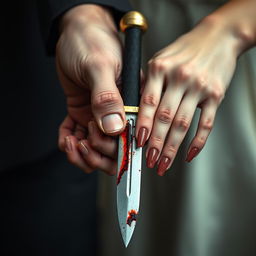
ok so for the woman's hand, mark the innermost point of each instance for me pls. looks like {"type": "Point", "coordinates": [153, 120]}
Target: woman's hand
{"type": "Point", "coordinates": [194, 71]}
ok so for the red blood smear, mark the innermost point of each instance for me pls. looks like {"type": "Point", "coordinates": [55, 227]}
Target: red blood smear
{"type": "Point", "coordinates": [132, 216]}
{"type": "Point", "coordinates": [124, 164]}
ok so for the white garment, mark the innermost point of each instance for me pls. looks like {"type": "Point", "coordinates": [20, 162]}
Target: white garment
{"type": "Point", "coordinates": [206, 207]}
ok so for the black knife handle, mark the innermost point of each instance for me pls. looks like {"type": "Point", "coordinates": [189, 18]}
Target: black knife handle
{"type": "Point", "coordinates": [131, 67]}
{"type": "Point", "coordinates": [132, 24]}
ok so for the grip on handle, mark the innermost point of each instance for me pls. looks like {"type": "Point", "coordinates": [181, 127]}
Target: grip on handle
{"type": "Point", "coordinates": [133, 24]}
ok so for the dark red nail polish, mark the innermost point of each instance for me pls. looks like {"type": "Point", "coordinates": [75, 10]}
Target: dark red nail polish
{"type": "Point", "coordinates": [192, 153]}
{"type": "Point", "coordinates": [163, 165]}
{"type": "Point", "coordinates": [142, 137]}
{"type": "Point", "coordinates": [152, 157]}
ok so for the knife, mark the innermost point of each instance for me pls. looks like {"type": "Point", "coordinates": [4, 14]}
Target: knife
{"type": "Point", "coordinates": [129, 156]}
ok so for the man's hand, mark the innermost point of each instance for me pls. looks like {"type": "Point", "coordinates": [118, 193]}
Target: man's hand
{"type": "Point", "coordinates": [89, 63]}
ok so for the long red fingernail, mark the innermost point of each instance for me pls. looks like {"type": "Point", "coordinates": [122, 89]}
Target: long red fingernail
{"type": "Point", "coordinates": [152, 157]}
{"type": "Point", "coordinates": [142, 137]}
{"type": "Point", "coordinates": [163, 165]}
{"type": "Point", "coordinates": [192, 153]}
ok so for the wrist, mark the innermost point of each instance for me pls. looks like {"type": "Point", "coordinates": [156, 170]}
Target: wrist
{"type": "Point", "coordinates": [238, 20]}
{"type": "Point", "coordinates": [86, 15]}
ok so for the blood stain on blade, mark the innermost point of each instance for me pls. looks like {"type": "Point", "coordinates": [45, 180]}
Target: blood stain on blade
{"type": "Point", "coordinates": [132, 216]}
{"type": "Point", "coordinates": [125, 161]}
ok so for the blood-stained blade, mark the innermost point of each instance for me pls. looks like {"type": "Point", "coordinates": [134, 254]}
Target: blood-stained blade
{"type": "Point", "coordinates": [133, 24]}
{"type": "Point", "coordinates": [128, 179]}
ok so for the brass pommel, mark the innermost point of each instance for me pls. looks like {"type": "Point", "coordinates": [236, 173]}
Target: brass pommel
{"type": "Point", "coordinates": [133, 19]}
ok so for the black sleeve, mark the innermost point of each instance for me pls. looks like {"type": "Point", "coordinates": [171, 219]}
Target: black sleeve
{"type": "Point", "coordinates": [50, 11]}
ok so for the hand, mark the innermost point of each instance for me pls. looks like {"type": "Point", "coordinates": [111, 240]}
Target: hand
{"type": "Point", "coordinates": [97, 151]}
{"type": "Point", "coordinates": [194, 71]}
{"type": "Point", "coordinates": [88, 60]}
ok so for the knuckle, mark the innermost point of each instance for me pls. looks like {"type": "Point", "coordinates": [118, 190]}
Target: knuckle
{"type": "Point", "coordinates": [150, 100]}
{"type": "Point", "coordinates": [106, 99]}
{"type": "Point", "coordinates": [183, 73]}
{"type": "Point", "coordinates": [200, 83]}
{"type": "Point", "coordinates": [94, 143]}
{"type": "Point", "coordinates": [94, 164]}
{"type": "Point", "coordinates": [217, 93]}
{"type": "Point", "coordinates": [158, 65]}
{"type": "Point", "coordinates": [207, 125]}
{"type": "Point", "coordinates": [165, 115]}
{"type": "Point", "coordinates": [156, 140]}
{"type": "Point", "coordinates": [170, 150]}
{"type": "Point", "coordinates": [181, 123]}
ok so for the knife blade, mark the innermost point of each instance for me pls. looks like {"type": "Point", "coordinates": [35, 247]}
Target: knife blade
{"type": "Point", "coordinates": [129, 155]}
{"type": "Point", "coordinates": [128, 180]}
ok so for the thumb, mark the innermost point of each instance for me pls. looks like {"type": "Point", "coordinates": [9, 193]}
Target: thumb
{"type": "Point", "coordinates": [107, 103]}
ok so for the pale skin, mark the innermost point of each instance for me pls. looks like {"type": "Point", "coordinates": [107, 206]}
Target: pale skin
{"type": "Point", "coordinates": [185, 75]}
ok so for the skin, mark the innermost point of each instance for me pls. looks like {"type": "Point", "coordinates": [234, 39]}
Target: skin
{"type": "Point", "coordinates": [185, 75]}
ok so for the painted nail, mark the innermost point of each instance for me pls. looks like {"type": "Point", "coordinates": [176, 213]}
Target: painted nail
{"type": "Point", "coordinates": [192, 153]}
{"type": "Point", "coordinates": [68, 145]}
{"type": "Point", "coordinates": [142, 137]}
{"type": "Point", "coordinates": [112, 123]}
{"type": "Point", "coordinates": [163, 165]}
{"type": "Point", "coordinates": [83, 148]}
{"type": "Point", "coordinates": [152, 157]}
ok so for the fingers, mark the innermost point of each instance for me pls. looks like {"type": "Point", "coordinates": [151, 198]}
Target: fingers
{"type": "Point", "coordinates": [162, 122]}
{"type": "Point", "coordinates": [107, 104]}
{"type": "Point", "coordinates": [100, 142]}
{"type": "Point", "coordinates": [178, 130]}
{"type": "Point", "coordinates": [82, 155]}
{"type": "Point", "coordinates": [205, 126]}
{"type": "Point", "coordinates": [66, 129]}
{"type": "Point", "coordinates": [74, 155]}
{"type": "Point", "coordinates": [148, 106]}
{"type": "Point", "coordinates": [96, 160]}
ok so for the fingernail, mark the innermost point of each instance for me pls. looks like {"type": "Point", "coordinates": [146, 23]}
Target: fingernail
{"type": "Point", "coordinates": [83, 148]}
{"type": "Point", "coordinates": [192, 153]}
{"type": "Point", "coordinates": [152, 157]}
{"type": "Point", "coordinates": [163, 165]}
{"type": "Point", "coordinates": [112, 123]}
{"type": "Point", "coordinates": [68, 144]}
{"type": "Point", "coordinates": [142, 137]}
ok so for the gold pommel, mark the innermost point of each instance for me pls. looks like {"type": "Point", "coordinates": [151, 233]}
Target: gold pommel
{"type": "Point", "coordinates": [133, 19]}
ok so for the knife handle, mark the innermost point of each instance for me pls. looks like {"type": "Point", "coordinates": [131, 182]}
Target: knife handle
{"type": "Point", "coordinates": [132, 24]}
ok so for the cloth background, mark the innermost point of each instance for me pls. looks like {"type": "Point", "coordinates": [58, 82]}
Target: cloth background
{"type": "Point", "coordinates": [203, 208]}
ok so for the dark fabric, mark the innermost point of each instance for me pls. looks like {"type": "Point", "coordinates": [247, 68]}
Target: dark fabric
{"type": "Point", "coordinates": [51, 10]}
{"type": "Point", "coordinates": [32, 104]}
{"type": "Point", "coordinates": [48, 208]}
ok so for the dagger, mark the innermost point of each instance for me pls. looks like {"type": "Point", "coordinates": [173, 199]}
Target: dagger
{"type": "Point", "coordinates": [129, 156]}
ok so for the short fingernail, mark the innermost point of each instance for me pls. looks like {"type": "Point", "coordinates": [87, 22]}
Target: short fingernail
{"type": "Point", "coordinates": [192, 153]}
{"type": "Point", "coordinates": [83, 148]}
{"type": "Point", "coordinates": [68, 144]}
{"type": "Point", "coordinates": [152, 157]}
{"type": "Point", "coordinates": [163, 165]}
{"type": "Point", "coordinates": [112, 123]}
{"type": "Point", "coordinates": [142, 136]}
